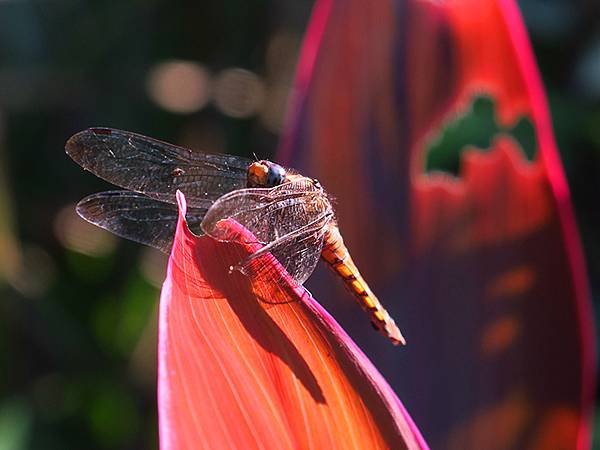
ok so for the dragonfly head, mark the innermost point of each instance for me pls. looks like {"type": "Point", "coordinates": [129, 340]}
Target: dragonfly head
{"type": "Point", "coordinates": [265, 174]}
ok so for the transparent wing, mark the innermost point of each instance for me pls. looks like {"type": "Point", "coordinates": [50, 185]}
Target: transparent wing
{"type": "Point", "coordinates": [298, 252]}
{"type": "Point", "coordinates": [154, 168]}
{"type": "Point", "coordinates": [138, 218]}
{"type": "Point", "coordinates": [290, 220]}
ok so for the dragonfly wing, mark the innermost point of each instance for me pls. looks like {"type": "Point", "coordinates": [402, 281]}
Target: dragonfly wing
{"type": "Point", "coordinates": [155, 168]}
{"type": "Point", "coordinates": [289, 219]}
{"type": "Point", "coordinates": [298, 253]}
{"type": "Point", "coordinates": [137, 217]}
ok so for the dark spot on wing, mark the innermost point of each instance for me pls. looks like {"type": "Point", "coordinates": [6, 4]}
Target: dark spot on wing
{"type": "Point", "coordinates": [104, 131]}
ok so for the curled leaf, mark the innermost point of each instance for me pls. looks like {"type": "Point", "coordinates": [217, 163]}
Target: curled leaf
{"type": "Point", "coordinates": [247, 363]}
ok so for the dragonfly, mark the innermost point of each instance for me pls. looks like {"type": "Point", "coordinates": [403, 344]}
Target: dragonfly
{"type": "Point", "coordinates": [289, 214]}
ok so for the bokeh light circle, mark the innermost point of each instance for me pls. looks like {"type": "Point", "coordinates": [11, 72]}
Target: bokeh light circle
{"type": "Point", "coordinates": [180, 87]}
{"type": "Point", "coordinates": [238, 93]}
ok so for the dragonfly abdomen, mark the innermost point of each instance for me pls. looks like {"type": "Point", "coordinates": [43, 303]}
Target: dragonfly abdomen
{"type": "Point", "coordinates": [337, 257]}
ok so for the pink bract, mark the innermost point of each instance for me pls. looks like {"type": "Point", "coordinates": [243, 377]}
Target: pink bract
{"type": "Point", "coordinates": [259, 364]}
{"type": "Point", "coordinates": [484, 271]}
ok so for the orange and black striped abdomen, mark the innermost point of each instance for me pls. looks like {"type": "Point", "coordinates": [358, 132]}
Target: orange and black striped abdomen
{"type": "Point", "coordinates": [336, 255]}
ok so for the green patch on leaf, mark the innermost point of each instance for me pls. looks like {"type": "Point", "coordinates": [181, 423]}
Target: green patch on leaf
{"type": "Point", "coordinates": [477, 128]}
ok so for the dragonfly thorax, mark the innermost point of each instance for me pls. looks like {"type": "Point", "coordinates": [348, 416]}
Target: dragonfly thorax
{"type": "Point", "coordinates": [265, 174]}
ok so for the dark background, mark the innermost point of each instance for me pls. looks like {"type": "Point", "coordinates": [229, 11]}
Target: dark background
{"type": "Point", "coordinates": [78, 306]}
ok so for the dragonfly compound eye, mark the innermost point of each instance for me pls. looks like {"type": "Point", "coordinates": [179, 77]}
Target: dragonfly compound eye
{"type": "Point", "coordinates": [257, 174]}
{"type": "Point", "coordinates": [275, 175]}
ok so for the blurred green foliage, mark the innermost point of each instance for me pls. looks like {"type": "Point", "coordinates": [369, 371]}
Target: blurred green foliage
{"type": "Point", "coordinates": [15, 424]}
{"type": "Point", "coordinates": [77, 345]}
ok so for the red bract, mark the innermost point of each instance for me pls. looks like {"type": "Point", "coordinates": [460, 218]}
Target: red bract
{"type": "Point", "coordinates": [259, 364]}
{"type": "Point", "coordinates": [483, 271]}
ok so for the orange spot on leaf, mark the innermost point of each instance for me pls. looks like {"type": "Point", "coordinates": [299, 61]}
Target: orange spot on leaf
{"type": "Point", "coordinates": [515, 282]}
{"type": "Point", "coordinates": [557, 431]}
{"type": "Point", "coordinates": [499, 335]}
{"type": "Point", "coordinates": [498, 427]}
